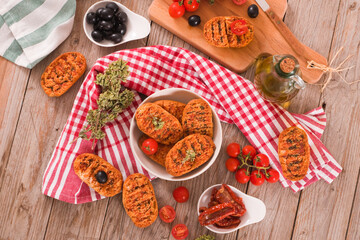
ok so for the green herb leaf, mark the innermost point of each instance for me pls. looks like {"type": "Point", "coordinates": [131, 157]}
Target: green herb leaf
{"type": "Point", "coordinates": [111, 102]}
{"type": "Point", "coordinates": [205, 237]}
{"type": "Point", "coordinates": [158, 123]}
{"type": "Point", "coordinates": [190, 156]}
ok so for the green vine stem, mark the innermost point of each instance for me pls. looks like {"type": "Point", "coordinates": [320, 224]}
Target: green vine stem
{"type": "Point", "coordinates": [244, 163]}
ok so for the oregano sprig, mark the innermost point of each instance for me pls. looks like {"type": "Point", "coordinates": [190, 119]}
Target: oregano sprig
{"type": "Point", "coordinates": [114, 98]}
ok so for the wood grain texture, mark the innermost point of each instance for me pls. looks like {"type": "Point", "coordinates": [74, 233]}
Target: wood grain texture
{"type": "Point", "coordinates": [342, 109]}
{"type": "Point", "coordinates": [31, 124]}
{"type": "Point", "coordinates": [269, 38]}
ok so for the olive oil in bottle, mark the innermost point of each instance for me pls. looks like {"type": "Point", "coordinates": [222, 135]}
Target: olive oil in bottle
{"type": "Point", "coordinates": [277, 78]}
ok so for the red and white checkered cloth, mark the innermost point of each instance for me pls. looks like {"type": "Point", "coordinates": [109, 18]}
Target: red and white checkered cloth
{"type": "Point", "coordinates": [159, 67]}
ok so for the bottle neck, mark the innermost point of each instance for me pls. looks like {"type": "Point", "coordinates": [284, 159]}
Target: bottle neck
{"type": "Point", "coordinates": [286, 67]}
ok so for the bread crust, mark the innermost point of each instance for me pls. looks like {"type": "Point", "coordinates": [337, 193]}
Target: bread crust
{"type": "Point", "coordinates": [160, 155]}
{"type": "Point", "coordinates": [87, 165]}
{"type": "Point", "coordinates": [158, 124]}
{"type": "Point", "coordinates": [173, 107]}
{"type": "Point", "coordinates": [62, 73]}
{"type": "Point", "coordinates": [189, 154]}
{"type": "Point", "coordinates": [217, 32]}
{"type": "Point", "coordinates": [294, 153]}
{"type": "Point", "coordinates": [197, 118]}
{"type": "Point", "coordinates": [139, 200]}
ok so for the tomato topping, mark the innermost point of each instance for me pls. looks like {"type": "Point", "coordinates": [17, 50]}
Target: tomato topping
{"type": "Point", "coordinates": [149, 146]}
{"type": "Point", "coordinates": [180, 231]}
{"type": "Point", "coordinates": [257, 178]}
{"type": "Point", "coordinates": [261, 160]}
{"type": "Point", "coordinates": [242, 175]}
{"type": "Point", "coordinates": [249, 151]}
{"type": "Point", "coordinates": [191, 5]}
{"type": "Point", "coordinates": [239, 27]}
{"type": "Point", "coordinates": [239, 2]}
{"type": "Point", "coordinates": [181, 194]}
{"type": "Point", "coordinates": [176, 10]}
{"type": "Point", "coordinates": [233, 149]}
{"type": "Point", "coordinates": [167, 214]}
{"type": "Point", "coordinates": [232, 164]}
{"type": "Point", "coordinates": [272, 176]}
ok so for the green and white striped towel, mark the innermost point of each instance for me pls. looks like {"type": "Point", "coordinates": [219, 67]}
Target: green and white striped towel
{"type": "Point", "coordinates": [31, 29]}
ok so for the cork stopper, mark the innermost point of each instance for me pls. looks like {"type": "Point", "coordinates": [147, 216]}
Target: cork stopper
{"type": "Point", "coordinates": [287, 65]}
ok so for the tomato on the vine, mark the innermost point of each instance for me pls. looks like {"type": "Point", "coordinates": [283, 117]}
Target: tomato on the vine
{"type": "Point", "coordinates": [149, 146]}
{"type": "Point", "coordinates": [232, 164]}
{"type": "Point", "coordinates": [176, 10]}
{"type": "Point", "coordinates": [233, 149]}
{"type": "Point", "coordinates": [261, 160]}
{"type": "Point", "coordinates": [257, 178]}
{"type": "Point", "coordinates": [167, 214]}
{"type": "Point", "coordinates": [180, 231]}
{"type": "Point", "coordinates": [239, 2]}
{"type": "Point", "coordinates": [191, 5]}
{"type": "Point", "coordinates": [272, 175]}
{"type": "Point", "coordinates": [181, 194]}
{"type": "Point", "coordinates": [242, 175]}
{"type": "Point", "coordinates": [239, 27]}
{"type": "Point", "coordinates": [249, 151]}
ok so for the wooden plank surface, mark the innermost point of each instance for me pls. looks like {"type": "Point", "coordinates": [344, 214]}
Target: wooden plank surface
{"type": "Point", "coordinates": [31, 124]}
{"type": "Point", "coordinates": [267, 37]}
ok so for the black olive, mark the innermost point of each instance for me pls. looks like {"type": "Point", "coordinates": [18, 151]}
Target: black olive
{"type": "Point", "coordinates": [98, 11]}
{"type": "Point", "coordinates": [253, 11]}
{"type": "Point", "coordinates": [107, 14]}
{"type": "Point", "coordinates": [91, 18]}
{"type": "Point", "coordinates": [113, 6]}
{"type": "Point", "coordinates": [107, 34]}
{"type": "Point", "coordinates": [97, 36]}
{"type": "Point", "coordinates": [194, 20]}
{"type": "Point", "coordinates": [120, 29]}
{"type": "Point", "coordinates": [105, 25]}
{"type": "Point", "coordinates": [122, 17]}
{"type": "Point", "coordinates": [101, 177]}
{"type": "Point", "coordinates": [116, 37]}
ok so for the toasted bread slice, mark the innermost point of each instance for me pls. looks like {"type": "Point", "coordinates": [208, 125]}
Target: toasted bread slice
{"type": "Point", "coordinates": [197, 118]}
{"type": "Point", "coordinates": [139, 200]}
{"type": "Point", "coordinates": [173, 107]}
{"type": "Point", "coordinates": [189, 154]}
{"type": "Point", "coordinates": [294, 153]}
{"type": "Point", "coordinates": [217, 32]}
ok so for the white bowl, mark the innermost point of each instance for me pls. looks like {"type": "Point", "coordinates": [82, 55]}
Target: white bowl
{"type": "Point", "coordinates": [255, 209]}
{"type": "Point", "coordinates": [184, 96]}
{"type": "Point", "coordinates": [137, 26]}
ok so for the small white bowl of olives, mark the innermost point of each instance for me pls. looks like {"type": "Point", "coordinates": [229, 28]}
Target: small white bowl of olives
{"type": "Point", "coordinates": [109, 23]}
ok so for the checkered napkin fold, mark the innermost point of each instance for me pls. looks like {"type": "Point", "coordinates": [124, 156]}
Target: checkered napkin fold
{"type": "Point", "coordinates": [234, 99]}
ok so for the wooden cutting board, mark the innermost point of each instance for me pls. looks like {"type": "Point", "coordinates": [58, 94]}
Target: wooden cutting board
{"type": "Point", "coordinates": [267, 37]}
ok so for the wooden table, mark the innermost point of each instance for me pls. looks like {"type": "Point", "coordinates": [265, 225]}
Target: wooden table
{"type": "Point", "coordinates": [31, 124]}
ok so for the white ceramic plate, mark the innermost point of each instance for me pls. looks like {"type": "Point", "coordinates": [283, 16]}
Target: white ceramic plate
{"type": "Point", "coordinates": [137, 26]}
{"type": "Point", "coordinates": [255, 209]}
{"type": "Point", "coordinates": [184, 96]}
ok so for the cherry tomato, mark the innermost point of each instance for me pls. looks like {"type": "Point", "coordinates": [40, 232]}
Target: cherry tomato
{"type": "Point", "coordinates": [180, 231]}
{"type": "Point", "coordinates": [167, 214]}
{"type": "Point", "coordinates": [257, 178]}
{"type": "Point", "coordinates": [273, 176]}
{"type": "Point", "coordinates": [239, 2]}
{"type": "Point", "coordinates": [175, 10]}
{"type": "Point", "coordinates": [239, 27]}
{"type": "Point", "coordinates": [191, 5]}
{"type": "Point", "coordinates": [249, 150]}
{"type": "Point", "coordinates": [232, 164]}
{"type": "Point", "coordinates": [149, 146]}
{"type": "Point", "coordinates": [261, 160]}
{"type": "Point", "coordinates": [181, 194]}
{"type": "Point", "coordinates": [242, 175]}
{"type": "Point", "coordinates": [233, 149]}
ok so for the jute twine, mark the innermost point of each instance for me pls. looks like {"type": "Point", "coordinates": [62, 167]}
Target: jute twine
{"type": "Point", "coordinates": [331, 70]}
